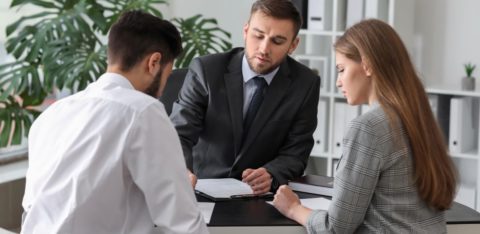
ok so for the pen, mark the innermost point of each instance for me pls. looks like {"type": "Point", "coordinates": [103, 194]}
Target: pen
{"type": "Point", "coordinates": [251, 196]}
{"type": "Point", "coordinates": [243, 196]}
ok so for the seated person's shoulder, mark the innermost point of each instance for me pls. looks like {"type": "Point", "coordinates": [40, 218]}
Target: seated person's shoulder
{"type": "Point", "coordinates": [374, 120]}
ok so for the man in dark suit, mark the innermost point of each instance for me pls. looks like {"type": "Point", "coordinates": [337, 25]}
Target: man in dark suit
{"type": "Point", "coordinates": [223, 131]}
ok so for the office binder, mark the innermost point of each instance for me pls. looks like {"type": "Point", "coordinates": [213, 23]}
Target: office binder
{"type": "Point", "coordinates": [377, 9]}
{"type": "Point", "coordinates": [302, 7]}
{"type": "Point", "coordinates": [354, 12]}
{"type": "Point", "coordinates": [462, 126]}
{"type": "Point", "coordinates": [343, 114]}
{"type": "Point", "coordinates": [320, 133]}
{"type": "Point", "coordinates": [321, 185]}
{"type": "Point", "coordinates": [319, 14]}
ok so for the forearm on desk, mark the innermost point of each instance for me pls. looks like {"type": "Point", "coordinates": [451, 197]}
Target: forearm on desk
{"type": "Point", "coordinates": [300, 214]}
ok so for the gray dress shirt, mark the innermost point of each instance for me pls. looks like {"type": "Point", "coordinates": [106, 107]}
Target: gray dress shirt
{"type": "Point", "coordinates": [374, 190]}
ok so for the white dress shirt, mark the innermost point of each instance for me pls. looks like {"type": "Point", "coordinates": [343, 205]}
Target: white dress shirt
{"type": "Point", "coordinates": [108, 160]}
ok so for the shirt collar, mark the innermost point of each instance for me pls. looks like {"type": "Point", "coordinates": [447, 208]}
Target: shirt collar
{"type": "Point", "coordinates": [249, 74]}
{"type": "Point", "coordinates": [116, 78]}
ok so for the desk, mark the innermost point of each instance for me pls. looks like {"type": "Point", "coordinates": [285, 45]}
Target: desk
{"type": "Point", "coordinates": [257, 216]}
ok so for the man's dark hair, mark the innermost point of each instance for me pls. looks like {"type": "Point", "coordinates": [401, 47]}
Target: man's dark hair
{"type": "Point", "coordinates": [137, 34]}
{"type": "Point", "coordinates": [279, 9]}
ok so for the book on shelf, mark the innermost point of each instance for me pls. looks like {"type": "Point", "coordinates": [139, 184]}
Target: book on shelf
{"type": "Point", "coordinates": [343, 114]}
{"type": "Point", "coordinates": [321, 185]}
{"type": "Point", "coordinates": [302, 7]}
{"type": "Point", "coordinates": [354, 12]}
{"type": "Point", "coordinates": [319, 14]}
{"type": "Point", "coordinates": [320, 133]}
{"type": "Point", "coordinates": [462, 125]}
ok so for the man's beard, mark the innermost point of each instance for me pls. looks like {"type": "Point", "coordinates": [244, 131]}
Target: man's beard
{"type": "Point", "coordinates": [262, 70]}
{"type": "Point", "coordinates": [154, 87]}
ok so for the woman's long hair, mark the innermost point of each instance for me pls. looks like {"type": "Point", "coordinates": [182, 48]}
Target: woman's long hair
{"type": "Point", "coordinates": [402, 96]}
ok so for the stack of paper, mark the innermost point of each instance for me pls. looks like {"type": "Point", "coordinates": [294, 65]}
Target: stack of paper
{"type": "Point", "coordinates": [225, 188]}
{"type": "Point", "coordinates": [321, 185]}
{"type": "Point", "coordinates": [317, 203]}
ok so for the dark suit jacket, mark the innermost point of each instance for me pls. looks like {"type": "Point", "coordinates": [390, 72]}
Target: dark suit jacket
{"type": "Point", "coordinates": [208, 116]}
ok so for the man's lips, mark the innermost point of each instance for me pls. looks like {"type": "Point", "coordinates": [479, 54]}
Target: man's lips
{"type": "Point", "coordinates": [262, 59]}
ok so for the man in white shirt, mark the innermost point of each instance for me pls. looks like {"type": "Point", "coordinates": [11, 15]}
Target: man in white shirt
{"type": "Point", "coordinates": [107, 159]}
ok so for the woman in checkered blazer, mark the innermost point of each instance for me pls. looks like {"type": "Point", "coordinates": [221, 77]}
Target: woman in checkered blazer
{"type": "Point", "coordinates": [395, 175]}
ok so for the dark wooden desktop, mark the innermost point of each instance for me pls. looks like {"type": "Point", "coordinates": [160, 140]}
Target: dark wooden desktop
{"type": "Point", "coordinates": [256, 216]}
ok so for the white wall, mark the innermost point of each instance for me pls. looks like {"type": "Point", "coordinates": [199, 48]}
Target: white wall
{"type": "Point", "coordinates": [230, 14]}
{"type": "Point", "coordinates": [448, 36]}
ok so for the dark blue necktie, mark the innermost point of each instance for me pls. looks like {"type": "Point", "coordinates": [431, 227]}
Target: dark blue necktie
{"type": "Point", "coordinates": [260, 88]}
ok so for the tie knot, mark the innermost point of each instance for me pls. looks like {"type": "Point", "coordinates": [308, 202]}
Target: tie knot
{"type": "Point", "coordinates": [260, 82]}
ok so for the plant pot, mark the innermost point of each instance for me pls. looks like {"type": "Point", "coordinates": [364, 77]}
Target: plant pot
{"type": "Point", "coordinates": [468, 83]}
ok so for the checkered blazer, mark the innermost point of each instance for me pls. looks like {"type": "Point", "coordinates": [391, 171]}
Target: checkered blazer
{"type": "Point", "coordinates": [374, 191]}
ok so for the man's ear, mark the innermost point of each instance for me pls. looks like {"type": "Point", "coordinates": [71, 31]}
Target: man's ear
{"type": "Point", "coordinates": [153, 62]}
{"type": "Point", "coordinates": [294, 45]}
{"type": "Point", "coordinates": [245, 30]}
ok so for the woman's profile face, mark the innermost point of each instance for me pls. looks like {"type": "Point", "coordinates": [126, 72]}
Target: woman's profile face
{"type": "Point", "coordinates": [353, 81]}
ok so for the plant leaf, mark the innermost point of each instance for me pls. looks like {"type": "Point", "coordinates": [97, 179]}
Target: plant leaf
{"type": "Point", "coordinates": [200, 37]}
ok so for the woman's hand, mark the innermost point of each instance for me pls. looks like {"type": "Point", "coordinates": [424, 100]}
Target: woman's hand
{"type": "Point", "coordinates": [288, 203]}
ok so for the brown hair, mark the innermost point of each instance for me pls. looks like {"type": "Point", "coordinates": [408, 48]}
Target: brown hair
{"type": "Point", "coordinates": [279, 9]}
{"type": "Point", "coordinates": [137, 34]}
{"type": "Point", "coordinates": [402, 96]}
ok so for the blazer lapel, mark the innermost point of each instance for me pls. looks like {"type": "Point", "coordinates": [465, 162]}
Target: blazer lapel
{"type": "Point", "coordinates": [234, 88]}
{"type": "Point", "coordinates": [273, 97]}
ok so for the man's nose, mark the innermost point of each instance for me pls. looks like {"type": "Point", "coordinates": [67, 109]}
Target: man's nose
{"type": "Point", "coordinates": [264, 47]}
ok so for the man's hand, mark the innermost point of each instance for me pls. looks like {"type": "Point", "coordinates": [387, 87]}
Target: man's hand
{"type": "Point", "coordinates": [259, 180]}
{"type": "Point", "coordinates": [193, 178]}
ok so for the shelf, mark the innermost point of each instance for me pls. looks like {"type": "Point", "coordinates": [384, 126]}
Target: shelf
{"type": "Point", "coordinates": [310, 57]}
{"type": "Point", "coordinates": [320, 155]}
{"type": "Point", "coordinates": [465, 156]}
{"type": "Point", "coordinates": [13, 171]}
{"type": "Point", "coordinates": [317, 32]}
{"type": "Point", "coordinates": [451, 90]}
{"type": "Point", "coordinates": [325, 94]}
{"type": "Point", "coordinates": [472, 154]}
{"type": "Point", "coordinates": [11, 153]}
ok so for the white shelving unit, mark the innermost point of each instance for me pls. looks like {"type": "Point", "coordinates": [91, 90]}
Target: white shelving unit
{"type": "Point", "coordinates": [316, 51]}
{"type": "Point", "coordinates": [467, 162]}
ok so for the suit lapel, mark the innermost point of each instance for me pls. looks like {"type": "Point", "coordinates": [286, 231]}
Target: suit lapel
{"type": "Point", "coordinates": [234, 87]}
{"type": "Point", "coordinates": [273, 97]}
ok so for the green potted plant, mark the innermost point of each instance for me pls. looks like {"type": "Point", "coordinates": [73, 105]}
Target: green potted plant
{"type": "Point", "coordinates": [468, 82]}
{"type": "Point", "coordinates": [62, 47]}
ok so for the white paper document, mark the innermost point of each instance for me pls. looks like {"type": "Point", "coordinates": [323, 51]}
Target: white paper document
{"type": "Point", "coordinates": [317, 203]}
{"type": "Point", "coordinates": [222, 188]}
{"type": "Point", "coordinates": [206, 208]}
